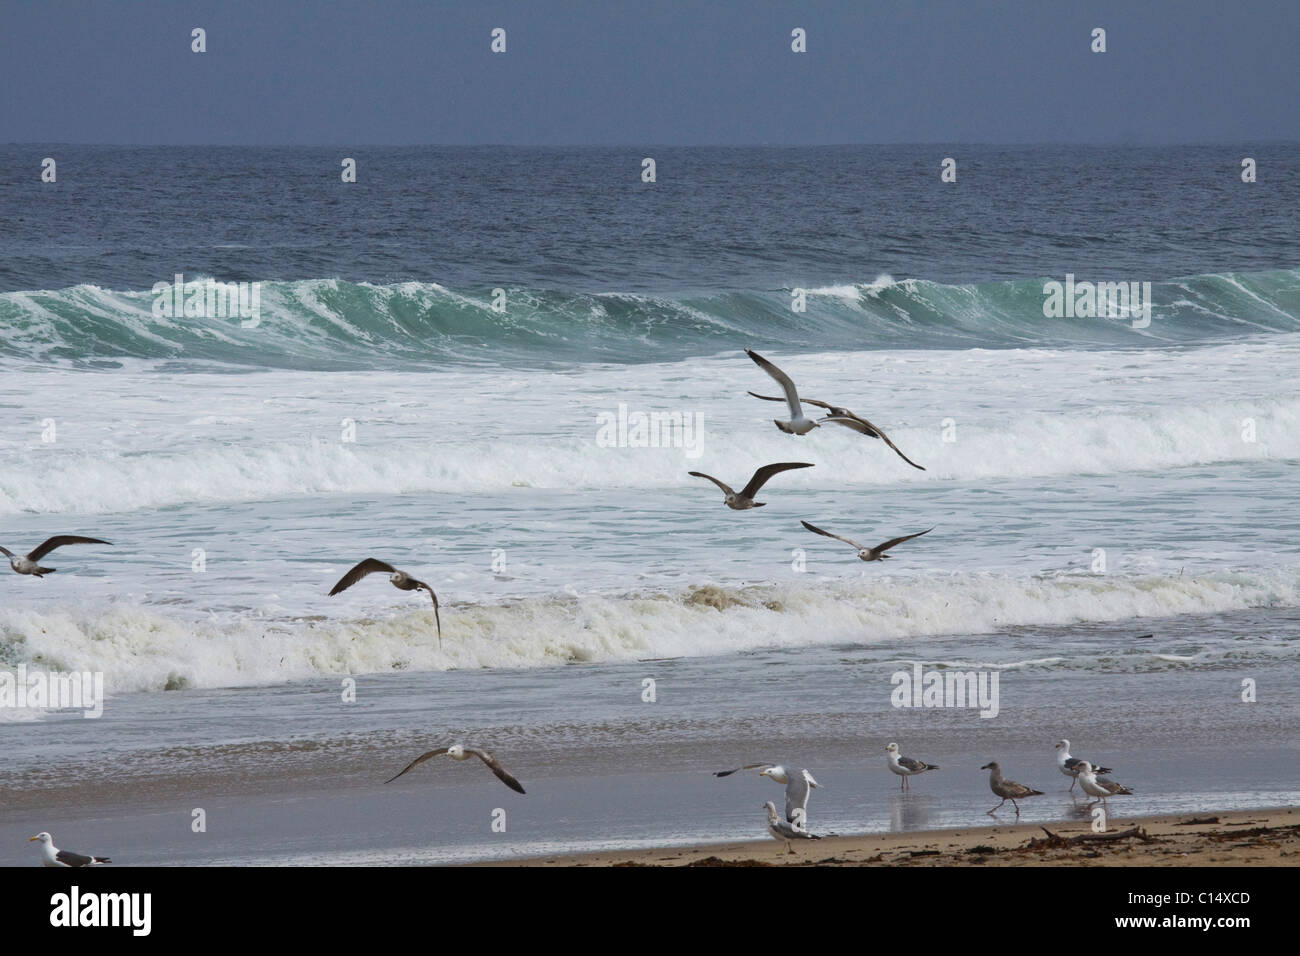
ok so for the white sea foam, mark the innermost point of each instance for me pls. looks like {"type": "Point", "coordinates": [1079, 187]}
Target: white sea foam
{"type": "Point", "coordinates": [143, 648]}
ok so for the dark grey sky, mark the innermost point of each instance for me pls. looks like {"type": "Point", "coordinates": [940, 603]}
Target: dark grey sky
{"type": "Point", "coordinates": [622, 72]}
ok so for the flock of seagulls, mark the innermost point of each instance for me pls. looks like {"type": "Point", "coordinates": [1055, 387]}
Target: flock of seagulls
{"type": "Point", "coordinates": [798, 782]}
{"type": "Point", "coordinates": [800, 424]}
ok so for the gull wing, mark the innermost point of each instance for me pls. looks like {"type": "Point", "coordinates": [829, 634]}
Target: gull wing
{"type": "Point", "coordinates": [496, 768]}
{"type": "Point", "coordinates": [767, 471]}
{"type": "Point", "coordinates": [419, 760]}
{"type": "Point", "coordinates": [59, 541]}
{"type": "Point", "coordinates": [726, 489]}
{"type": "Point", "coordinates": [368, 566]}
{"type": "Point", "coordinates": [786, 383]}
{"type": "Point", "coordinates": [860, 424]}
{"type": "Point", "coordinates": [796, 795]}
{"type": "Point", "coordinates": [68, 858]}
{"type": "Point", "coordinates": [893, 541]}
{"type": "Point", "coordinates": [437, 619]}
{"type": "Point", "coordinates": [816, 530]}
{"type": "Point", "coordinates": [748, 766]}
{"type": "Point", "coordinates": [916, 766]}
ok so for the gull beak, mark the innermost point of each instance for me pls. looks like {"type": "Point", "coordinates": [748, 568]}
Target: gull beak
{"type": "Point", "coordinates": [33, 839]}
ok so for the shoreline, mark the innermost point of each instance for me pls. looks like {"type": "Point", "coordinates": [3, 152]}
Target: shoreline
{"type": "Point", "coordinates": [1224, 838]}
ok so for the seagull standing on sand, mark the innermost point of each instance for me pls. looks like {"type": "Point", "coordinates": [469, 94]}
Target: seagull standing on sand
{"type": "Point", "coordinates": [1007, 789]}
{"type": "Point", "coordinates": [461, 752]}
{"type": "Point", "coordinates": [53, 856]}
{"type": "Point", "coordinates": [30, 563]}
{"type": "Point", "coordinates": [1099, 787]}
{"type": "Point", "coordinates": [781, 830]}
{"type": "Point", "coordinates": [906, 767]}
{"type": "Point", "coordinates": [842, 416]}
{"type": "Point", "coordinates": [399, 579]}
{"type": "Point", "coordinates": [799, 424]}
{"type": "Point", "coordinates": [744, 500]}
{"type": "Point", "coordinates": [798, 786]}
{"type": "Point", "coordinates": [1070, 765]}
{"type": "Point", "coordinates": [867, 554]}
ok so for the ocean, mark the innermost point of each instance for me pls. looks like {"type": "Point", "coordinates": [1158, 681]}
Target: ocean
{"type": "Point", "coordinates": [451, 369]}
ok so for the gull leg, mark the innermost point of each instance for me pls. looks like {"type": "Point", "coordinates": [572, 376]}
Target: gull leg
{"type": "Point", "coordinates": [1017, 806]}
{"type": "Point", "coordinates": [995, 809]}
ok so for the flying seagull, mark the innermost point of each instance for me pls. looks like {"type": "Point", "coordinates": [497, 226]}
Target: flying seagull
{"type": "Point", "coordinates": [1099, 787]}
{"type": "Point", "coordinates": [30, 564]}
{"type": "Point", "coordinates": [906, 766]}
{"type": "Point", "coordinates": [798, 786]}
{"type": "Point", "coordinates": [842, 416]}
{"type": "Point", "coordinates": [867, 554]}
{"type": "Point", "coordinates": [744, 500]}
{"type": "Point", "coordinates": [1070, 765]}
{"type": "Point", "coordinates": [461, 752]}
{"type": "Point", "coordinates": [53, 856]}
{"type": "Point", "coordinates": [399, 579]}
{"type": "Point", "coordinates": [781, 830]}
{"type": "Point", "coordinates": [799, 424]}
{"type": "Point", "coordinates": [1007, 789]}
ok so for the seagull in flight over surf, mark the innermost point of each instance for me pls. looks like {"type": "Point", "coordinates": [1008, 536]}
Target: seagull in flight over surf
{"type": "Point", "coordinates": [744, 500]}
{"type": "Point", "coordinates": [31, 563]}
{"type": "Point", "coordinates": [399, 579]}
{"type": "Point", "coordinates": [867, 554]}
{"type": "Point", "coordinates": [461, 752]}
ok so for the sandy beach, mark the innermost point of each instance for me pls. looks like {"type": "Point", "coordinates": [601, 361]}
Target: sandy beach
{"type": "Point", "coordinates": [1255, 838]}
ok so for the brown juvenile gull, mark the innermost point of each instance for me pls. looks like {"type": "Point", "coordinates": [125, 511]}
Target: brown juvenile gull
{"type": "Point", "coordinates": [842, 416]}
{"type": "Point", "coordinates": [867, 554]}
{"type": "Point", "coordinates": [1070, 765]}
{"type": "Point", "coordinates": [1099, 787]}
{"type": "Point", "coordinates": [744, 500]}
{"type": "Point", "coordinates": [906, 766]}
{"type": "Point", "coordinates": [461, 752]}
{"type": "Point", "coordinates": [798, 786]}
{"type": "Point", "coordinates": [781, 830]}
{"type": "Point", "coordinates": [799, 424]}
{"type": "Point", "coordinates": [1007, 789]}
{"type": "Point", "coordinates": [30, 563]}
{"type": "Point", "coordinates": [399, 579]}
{"type": "Point", "coordinates": [53, 856]}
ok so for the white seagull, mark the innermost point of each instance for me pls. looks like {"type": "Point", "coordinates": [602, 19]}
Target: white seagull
{"type": "Point", "coordinates": [906, 767]}
{"type": "Point", "coordinates": [781, 830]}
{"type": "Point", "coordinates": [798, 786]}
{"type": "Point", "coordinates": [1007, 789]}
{"type": "Point", "coordinates": [799, 424]}
{"type": "Point", "coordinates": [30, 563]}
{"type": "Point", "coordinates": [461, 752]}
{"type": "Point", "coordinates": [1070, 765]}
{"type": "Point", "coordinates": [867, 554]}
{"type": "Point", "coordinates": [744, 500]}
{"type": "Point", "coordinates": [53, 856]}
{"type": "Point", "coordinates": [399, 579]}
{"type": "Point", "coordinates": [1099, 787]}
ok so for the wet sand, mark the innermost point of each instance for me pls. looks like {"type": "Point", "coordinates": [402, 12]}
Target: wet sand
{"type": "Point", "coordinates": [1249, 838]}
